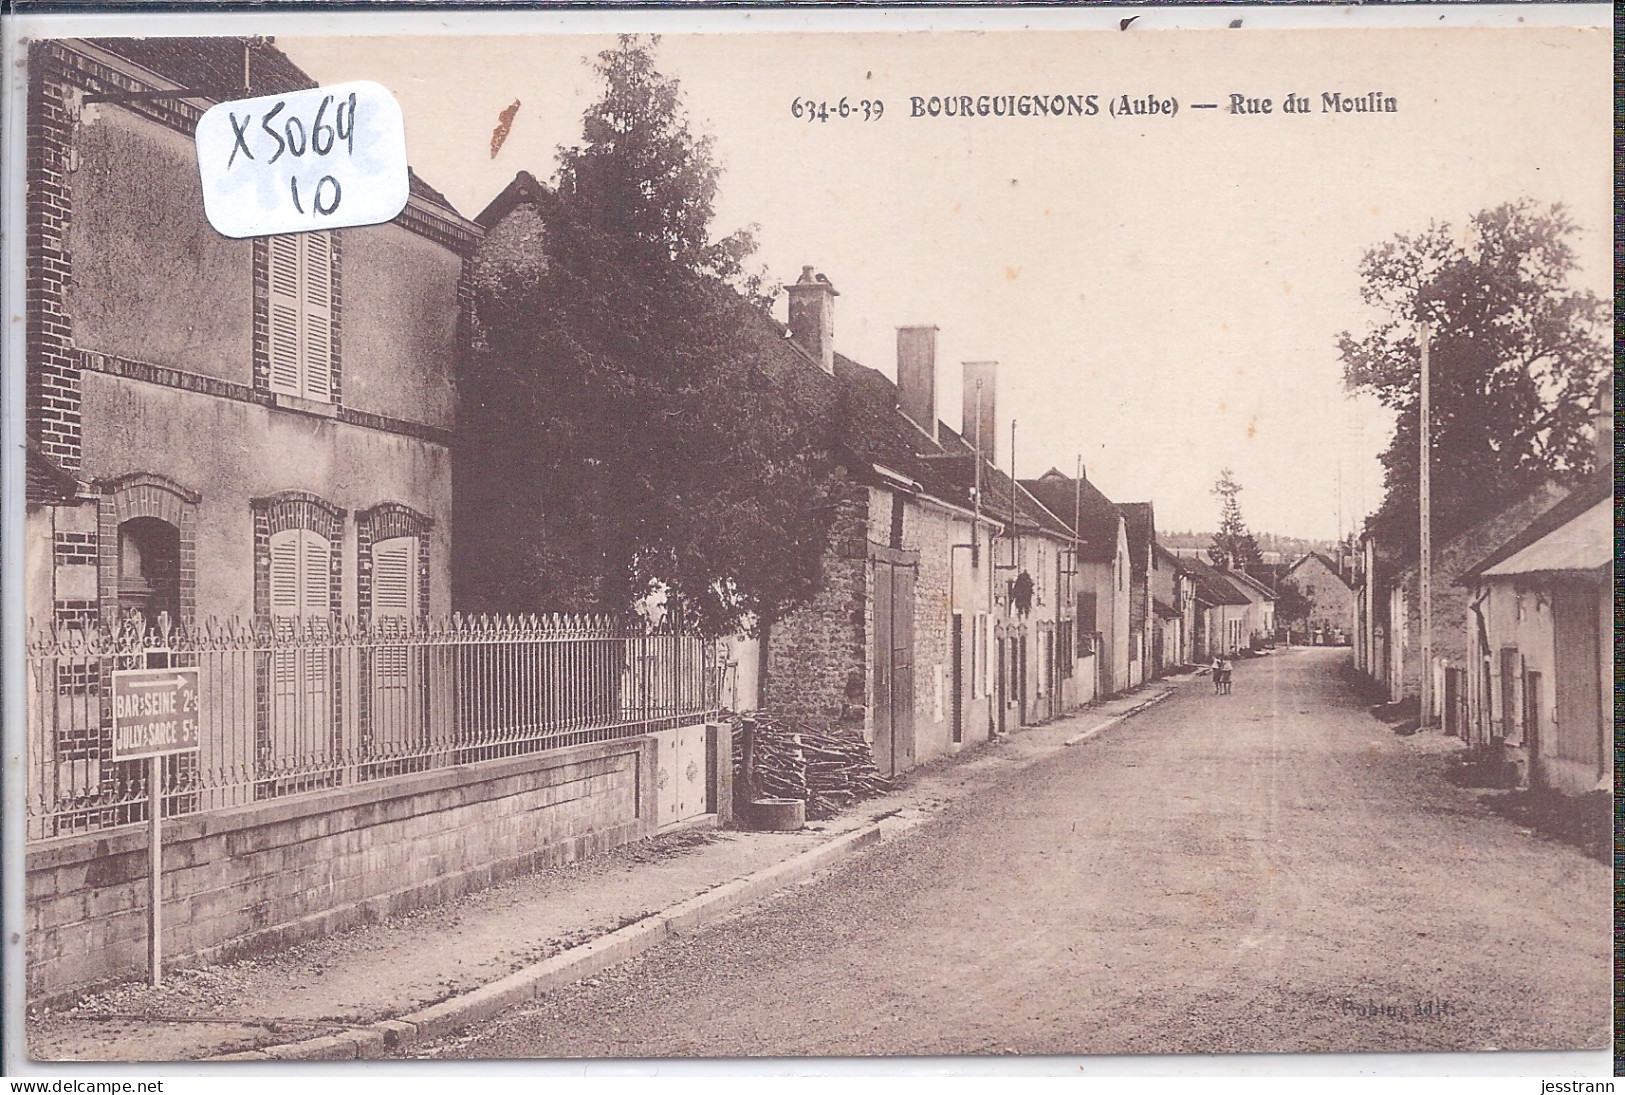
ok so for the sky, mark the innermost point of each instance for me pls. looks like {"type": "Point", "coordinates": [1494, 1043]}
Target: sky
{"type": "Point", "coordinates": [1163, 294]}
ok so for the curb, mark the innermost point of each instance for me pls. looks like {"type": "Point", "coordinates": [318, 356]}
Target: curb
{"type": "Point", "coordinates": [1076, 739]}
{"type": "Point", "coordinates": [564, 968]}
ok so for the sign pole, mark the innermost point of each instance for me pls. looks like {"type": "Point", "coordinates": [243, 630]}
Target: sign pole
{"type": "Point", "coordinates": [155, 858]}
{"type": "Point", "coordinates": [155, 714]}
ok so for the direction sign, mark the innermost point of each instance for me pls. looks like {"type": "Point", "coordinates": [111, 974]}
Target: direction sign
{"type": "Point", "coordinates": [154, 712]}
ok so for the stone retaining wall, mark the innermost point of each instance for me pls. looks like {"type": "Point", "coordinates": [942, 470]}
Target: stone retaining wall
{"type": "Point", "coordinates": [255, 878]}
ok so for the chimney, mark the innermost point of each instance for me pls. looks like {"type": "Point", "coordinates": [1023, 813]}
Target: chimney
{"type": "Point", "coordinates": [980, 427]}
{"type": "Point", "coordinates": [917, 376]}
{"type": "Point", "coordinates": [1605, 422]}
{"type": "Point", "coordinates": [812, 317]}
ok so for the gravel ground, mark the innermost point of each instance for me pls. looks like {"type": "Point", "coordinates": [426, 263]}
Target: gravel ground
{"type": "Point", "coordinates": [1273, 870]}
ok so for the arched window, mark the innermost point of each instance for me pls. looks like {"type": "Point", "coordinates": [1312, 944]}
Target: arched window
{"type": "Point", "coordinates": [149, 569]}
{"type": "Point", "coordinates": [392, 572]}
{"type": "Point", "coordinates": [298, 728]}
{"type": "Point", "coordinates": [145, 549]}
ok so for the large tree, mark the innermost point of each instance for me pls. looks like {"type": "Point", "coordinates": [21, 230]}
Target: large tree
{"type": "Point", "coordinates": [655, 434]}
{"type": "Point", "coordinates": [1516, 353]}
{"type": "Point", "coordinates": [1233, 545]}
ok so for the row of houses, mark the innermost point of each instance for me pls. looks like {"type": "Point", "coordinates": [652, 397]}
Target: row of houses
{"type": "Point", "coordinates": [1521, 647]}
{"type": "Point", "coordinates": [258, 445]}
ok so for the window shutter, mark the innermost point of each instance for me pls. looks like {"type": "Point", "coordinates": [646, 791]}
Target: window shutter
{"type": "Point", "coordinates": [316, 581]}
{"type": "Point", "coordinates": [285, 310]}
{"type": "Point", "coordinates": [317, 313]}
{"type": "Point", "coordinates": [394, 578]}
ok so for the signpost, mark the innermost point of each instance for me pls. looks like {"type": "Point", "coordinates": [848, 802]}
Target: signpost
{"type": "Point", "coordinates": [155, 713]}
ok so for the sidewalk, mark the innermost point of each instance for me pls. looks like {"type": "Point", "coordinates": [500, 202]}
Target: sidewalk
{"type": "Point", "coordinates": [435, 970]}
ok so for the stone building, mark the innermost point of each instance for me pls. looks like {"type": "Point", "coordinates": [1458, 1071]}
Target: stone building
{"type": "Point", "coordinates": [1330, 595]}
{"type": "Point", "coordinates": [946, 612]}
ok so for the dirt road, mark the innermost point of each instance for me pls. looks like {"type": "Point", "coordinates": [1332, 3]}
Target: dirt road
{"type": "Point", "coordinates": [1267, 871]}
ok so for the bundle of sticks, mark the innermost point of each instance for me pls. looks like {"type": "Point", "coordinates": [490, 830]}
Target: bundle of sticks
{"type": "Point", "coordinates": [782, 758]}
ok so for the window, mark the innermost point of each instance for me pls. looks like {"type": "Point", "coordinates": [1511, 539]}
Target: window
{"type": "Point", "coordinates": [149, 569]}
{"type": "Point", "coordinates": [394, 579]}
{"type": "Point", "coordinates": [301, 315]}
{"type": "Point", "coordinates": [300, 584]}
{"type": "Point", "coordinates": [393, 718]}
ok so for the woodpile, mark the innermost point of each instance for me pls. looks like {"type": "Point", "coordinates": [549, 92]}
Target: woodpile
{"type": "Point", "coordinates": [781, 758]}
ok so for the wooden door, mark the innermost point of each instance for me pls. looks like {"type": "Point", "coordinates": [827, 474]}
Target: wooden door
{"type": "Point", "coordinates": [1533, 728]}
{"type": "Point", "coordinates": [1581, 734]}
{"type": "Point", "coordinates": [883, 668]}
{"type": "Point", "coordinates": [902, 649]}
{"type": "Point", "coordinates": [1021, 681]}
{"type": "Point", "coordinates": [894, 572]}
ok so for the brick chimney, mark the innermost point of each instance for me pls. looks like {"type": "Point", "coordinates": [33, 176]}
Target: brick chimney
{"type": "Point", "coordinates": [980, 427]}
{"type": "Point", "coordinates": [812, 317]}
{"type": "Point", "coordinates": [917, 376]}
{"type": "Point", "coordinates": [1605, 422]}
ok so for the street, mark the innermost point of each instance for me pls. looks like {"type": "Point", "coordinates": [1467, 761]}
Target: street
{"type": "Point", "coordinates": [1271, 870]}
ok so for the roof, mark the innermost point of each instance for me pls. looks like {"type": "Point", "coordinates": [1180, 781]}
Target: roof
{"type": "Point", "coordinates": [47, 481]}
{"type": "Point", "coordinates": [1577, 507]}
{"type": "Point", "coordinates": [214, 67]}
{"type": "Point", "coordinates": [1248, 580]}
{"type": "Point", "coordinates": [1164, 609]}
{"type": "Point", "coordinates": [1070, 499]}
{"type": "Point", "coordinates": [1211, 586]}
{"type": "Point", "coordinates": [875, 431]}
{"type": "Point", "coordinates": [872, 431]}
{"type": "Point", "coordinates": [1584, 545]}
{"type": "Point", "coordinates": [1325, 562]}
{"type": "Point", "coordinates": [522, 190]}
{"type": "Point", "coordinates": [1142, 532]}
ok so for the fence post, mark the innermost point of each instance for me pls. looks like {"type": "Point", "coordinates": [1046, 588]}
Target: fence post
{"type": "Point", "coordinates": [719, 789]}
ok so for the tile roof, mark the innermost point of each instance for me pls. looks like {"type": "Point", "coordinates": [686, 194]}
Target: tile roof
{"type": "Point", "coordinates": [1097, 517]}
{"type": "Point", "coordinates": [214, 66]}
{"type": "Point", "coordinates": [1211, 585]}
{"type": "Point", "coordinates": [47, 482]}
{"type": "Point", "coordinates": [872, 430]}
{"type": "Point", "coordinates": [1142, 532]}
{"type": "Point", "coordinates": [1325, 562]}
{"type": "Point", "coordinates": [1596, 488]}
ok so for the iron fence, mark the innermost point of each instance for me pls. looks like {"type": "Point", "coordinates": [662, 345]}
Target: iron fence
{"type": "Point", "coordinates": [306, 705]}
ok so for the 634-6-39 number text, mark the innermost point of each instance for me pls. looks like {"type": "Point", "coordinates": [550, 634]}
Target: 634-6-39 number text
{"type": "Point", "coordinates": [823, 110]}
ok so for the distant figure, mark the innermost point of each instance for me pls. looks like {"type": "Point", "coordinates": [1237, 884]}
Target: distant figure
{"type": "Point", "coordinates": [1222, 673]}
{"type": "Point", "coordinates": [1218, 674]}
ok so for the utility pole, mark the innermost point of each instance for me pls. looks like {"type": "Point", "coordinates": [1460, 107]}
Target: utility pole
{"type": "Point", "coordinates": [976, 496]}
{"type": "Point", "coordinates": [1425, 581]}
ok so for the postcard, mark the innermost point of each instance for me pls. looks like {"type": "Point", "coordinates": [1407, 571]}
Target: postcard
{"type": "Point", "coordinates": [590, 536]}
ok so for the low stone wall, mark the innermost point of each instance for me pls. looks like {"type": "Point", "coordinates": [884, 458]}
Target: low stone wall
{"type": "Point", "coordinates": [255, 878]}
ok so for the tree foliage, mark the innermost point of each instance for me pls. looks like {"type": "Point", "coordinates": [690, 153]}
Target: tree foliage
{"type": "Point", "coordinates": [1233, 545]}
{"type": "Point", "coordinates": [1516, 358]}
{"type": "Point", "coordinates": [1292, 605]}
{"type": "Point", "coordinates": [643, 178]}
{"type": "Point", "coordinates": [654, 437]}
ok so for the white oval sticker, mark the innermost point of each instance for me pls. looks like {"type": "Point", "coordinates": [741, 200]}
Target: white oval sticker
{"type": "Point", "coordinates": [330, 157]}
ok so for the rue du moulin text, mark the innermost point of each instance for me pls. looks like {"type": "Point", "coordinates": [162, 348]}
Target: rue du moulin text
{"type": "Point", "coordinates": [1128, 106]}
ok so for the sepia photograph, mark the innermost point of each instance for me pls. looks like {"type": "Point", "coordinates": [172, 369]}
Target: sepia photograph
{"type": "Point", "coordinates": [556, 542]}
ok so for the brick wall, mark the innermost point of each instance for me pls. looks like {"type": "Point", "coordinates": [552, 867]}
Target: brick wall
{"type": "Point", "coordinates": [53, 391]}
{"type": "Point", "coordinates": [817, 656]}
{"type": "Point", "coordinates": [255, 878]}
